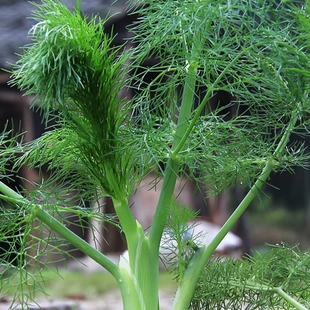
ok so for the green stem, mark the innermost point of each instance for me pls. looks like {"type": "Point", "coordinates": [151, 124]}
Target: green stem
{"type": "Point", "coordinates": [290, 299]}
{"type": "Point", "coordinates": [141, 273]}
{"type": "Point", "coordinates": [130, 287]}
{"type": "Point", "coordinates": [182, 132]}
{"type": "Point", "coordinates": [11, 194]}
{"type": "Point", "coordinates": [75, 240]}
{"type": "Point", "coordinates": [263, 287]}
{"type": "Point", "coordinates": [204, 101]}
{"type": "Point", "coordinates": [194, 270]}
{"type": "Point", "coordinates": [146, 271]}
{"type": "Point", "coordinates": [164, 203]}
{"type": "Point", "coordinates": [129, 226]}
{"type": "Point", "coordinates": [171, 174]}
{"type": "Point", "coordinates": [130, 290]}
{"type": "Point", "coordinates": [201, 257]}
{"type": "Point", "coordinates": [172, 169]}
{"type": "Point", "coordinates": [56, 226]}
{"type": "Point", "coordinates": [186, 106]}
{"type": "Point", "coordinates": [125, 217]}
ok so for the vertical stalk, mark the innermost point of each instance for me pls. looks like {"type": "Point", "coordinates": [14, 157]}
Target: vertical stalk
{"type": "Point", "coordinates": [204, 101]}
{"type": "Point", "coordinates": [129, 227]}
{"type": "Point", "coordinates": [172, 169]}
{"type": "Point", "coordinates": [146, 272]}
{"type": "Point", "coordinates": [164, 203]}
{"type": "Point", "coordinates": [130, 290]}
{"type": "Point", "coordinates": [139, 284]}
{"type": "Point", "coordinates": [124, 215]}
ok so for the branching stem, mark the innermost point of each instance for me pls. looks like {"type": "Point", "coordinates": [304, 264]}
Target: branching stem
{"type": "Point", "coordinates": [201, 257]}
{"type": "Point", "coordinates": [56, 226]}
{"type": "Point", "coordinates": [203, 103]}
{"type": "Point", "coordinates": [172, 169]}
{"type": "Point", "coordinates": [278, 290]}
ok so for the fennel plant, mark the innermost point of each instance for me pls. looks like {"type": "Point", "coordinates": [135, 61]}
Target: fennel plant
{"type": "Point", "coordinates": [103, 145]}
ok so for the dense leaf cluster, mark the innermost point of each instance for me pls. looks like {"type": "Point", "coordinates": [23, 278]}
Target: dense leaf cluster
{"type": "Point", "coordinates": [73, 70]}
{"type": "Point", "coordinates": [253, 51]}
{"type": "Point", "coordinates": [257, 282]}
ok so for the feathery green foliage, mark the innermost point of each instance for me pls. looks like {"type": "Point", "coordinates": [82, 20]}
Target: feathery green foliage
{"type": "Point", "coordinates": [257, 282]}
{"type": "Point", "coordinates": [249, 50]}
{"type": "Point", "coordinates": [176, 123]}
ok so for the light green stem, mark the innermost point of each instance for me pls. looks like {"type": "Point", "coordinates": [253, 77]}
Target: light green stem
{"type": "Point", "coordinates": [124, 214]}
{"type": "Point", "coordinates": [263, 287]}
{"type": "Point", "coordinates": [128, 286]}
{"type": "Point", "coordinates": [290, 299]}
{"type": "Point", "coordinates": [182, 132]}
{"type": "Point", "coordinates": [278, 290]}
{"type": "Point", "coordinates": [201, 257]}
{"type": "Point", "coordinates": [146, 271]}
{"type": "Point", "coordinates": [56, 226]}
{"type": "Point", "coordinates": [164, 203]}
{"type": "Point", "coordinates": [129, 227]}
{"type": "Point", "coordinates": [141, 274]}
{"type": "Point", "coordinates": [204, 101]}
{"type": "Point", "coordinates": [187, 287]}
{"type": "Point", "coordinates": [75, 240]}
{"type": "Point", "coordinates": [130, 290]}
{"type": "Point", "coordinates": [170, 177]}
{"type": "Point", "coordinates": [172, 169]}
